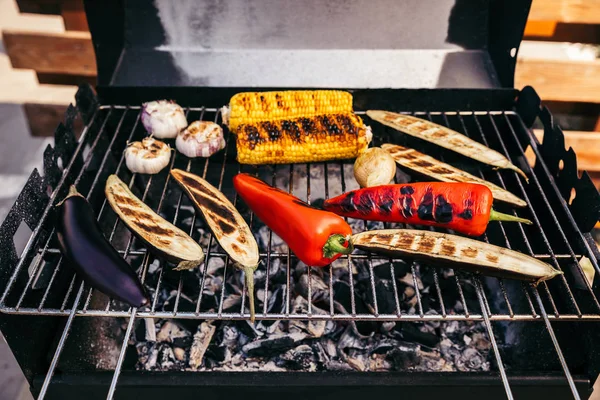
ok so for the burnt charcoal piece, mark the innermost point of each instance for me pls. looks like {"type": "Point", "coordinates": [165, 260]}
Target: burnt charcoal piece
{"type": "Point", "coordinates": [384, 291]}
{"type": "Point", "coordinates": [404, 357]}
{"type": "Point", "coordinates": [342, 297]}
{"type": "Point", "coordinates": [271, 346]}
{"type": "Point", "coordinates": [411, 333]}
{"type": "Point", "coordinates": [383, 270]}
{"type": "Point", "coordinates": [301, 358]}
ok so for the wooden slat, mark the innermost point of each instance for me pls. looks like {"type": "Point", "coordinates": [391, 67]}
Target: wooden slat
{"type": "Point", "coordinates": [585, 144]}
{"type": "Point", "coordinates": [73, 15]}
{"type": "Point", "coordinates": [44, 118]}
{"type": "Point", "coordinates": [66, 53]}
{"type": "Point", "coordinates": [39, 6]}
{"type": "Point", "coordinates": [560, 80]}
{"type": "Point", "coordinates": [573, 11]}
{"type": "Point", "coordinates": [540, 28]}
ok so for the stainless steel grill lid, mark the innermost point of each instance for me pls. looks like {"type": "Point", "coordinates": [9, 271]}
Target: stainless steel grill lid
{"type": "Point", "coordinates": [288, 43]}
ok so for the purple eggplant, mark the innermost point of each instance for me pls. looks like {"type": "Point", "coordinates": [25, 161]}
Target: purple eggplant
{"type": "Point", "coordinates": [91, 254]}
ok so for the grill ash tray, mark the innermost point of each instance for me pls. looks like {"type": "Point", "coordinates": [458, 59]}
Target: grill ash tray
{"type": "Point", "coordinates": [364, 313]}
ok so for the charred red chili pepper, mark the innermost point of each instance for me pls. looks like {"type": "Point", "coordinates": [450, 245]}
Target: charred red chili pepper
{"type": "Point", "coordinates": [462, 207]}
{"type": "Point", "coordinates": [315, 236]}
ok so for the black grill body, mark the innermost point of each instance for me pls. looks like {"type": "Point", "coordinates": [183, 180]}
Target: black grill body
{"type": "Point", "coordinates": [542, 338]}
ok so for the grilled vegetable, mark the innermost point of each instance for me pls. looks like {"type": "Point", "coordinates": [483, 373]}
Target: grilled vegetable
{"type": "Point", "coordinates": [161, 236]}
{"type": "Point", "coordinates": [306, 139]}
{"type": "Point", "coordinates": [163, 118]}
{"type": "Point", "coordinates": [228, 226]}
{"type": "Point", "coordinates": [200, 139]}
{"type": "Point", "coordinates": [81, 241]}
{"type": "Point", "coordinates": [463, 207]}
{"type": "Point", "coordinates": [433, 168]}
{"type": "Point", "coordinates": [149, 156]}
{"type": "Point", "coordinates": [251, 107]}
{"type": "Point", "coordinates": [444, 137]}
{"type": "Point", "coordinates": [316, 237]}
{"type": "Point", "coordinates": [456, 251]}
{"type": "Point", "coordinates": [374, 167]}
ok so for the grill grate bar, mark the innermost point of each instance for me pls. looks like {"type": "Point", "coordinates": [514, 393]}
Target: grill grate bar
{"type": "Point", "coordinates": [536, 220]}
{"type": "Point", "coordinates": [536, 293]}
{"type": "Point", "coordinates": [269, 258]}
{"type": "Point", "coordinates": [554, 219]}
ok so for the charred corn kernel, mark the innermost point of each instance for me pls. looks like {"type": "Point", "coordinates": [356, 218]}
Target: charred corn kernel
{"type": "Point", "coordinates": [319, 138]}
{"type": "Point", "coordinates": [252, 107]}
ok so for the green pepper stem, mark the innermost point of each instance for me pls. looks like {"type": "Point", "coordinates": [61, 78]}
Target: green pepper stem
{"type": "Point", "coordinates": [336, 245]}
{"type": "Point", "coordinates": [498, 216]}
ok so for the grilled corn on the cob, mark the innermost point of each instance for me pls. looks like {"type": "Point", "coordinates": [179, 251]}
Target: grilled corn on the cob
{"type": "Point", "coordinates": [306, 139]}
{"type": "Point", "coordinates": [252, 107]}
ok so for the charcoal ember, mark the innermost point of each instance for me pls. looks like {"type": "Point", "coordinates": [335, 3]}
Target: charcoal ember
{"type": "Point", "coordinates": [379, 362]}
{"type": "Point", "coordinates": [147, 355]}
{"type": "Point", "coordinates": [404, 357]}
{"type": "Point", "coordinates": [412, 333]}
{"type": "Point", "coordinates": [338, 365]}
{"type": "Point", "coordinates": [384, 295]}
{"type": "Point", "coordinates": [202, 339]}
{"type": "Point", "coordinates": [383, 268]}
{"type": "Point", "coordinates": [343, 304]}
{"type": "Point", "coordinates": [217, 353]}
{"type": "Point", "coordinates": [319, 289]}
{"type": "Point", "coordinates": [357, 360]}
{"type": "Point", "coordinates": [301, 358]}
{"type": "Point", "coordinates": [277, 244]}
{"type": "Point", "coordinates": [471, 360]}
{"type": "Point", "coordinates": [276, 304]}
{"type": "Point", "coordinates": [215, 266]}
{"type": "Point", "coordinates": [172, 332]}
{"type": "Point", "coordinates": [432, 361]}
{"type": "Point", "coordinates": [276, 273]}
{"type": "Point", "coordinates": [480, 341]}
{"type": "Point", "coordinates": [273, 345]}
{"type": "Point", "coordinates": [179, 354]}
{"type": "Point", "coordinates": [183, 302]}
{"type": "Point", "coordinates": [316, 328]}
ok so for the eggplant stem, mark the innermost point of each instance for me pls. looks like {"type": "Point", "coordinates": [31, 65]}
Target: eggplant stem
{"type": "Point", "coordinates": [249, 276]}
{"type": "Point", "coordinates": [188, 264]}
{"type": "Point", "coordinates": [520, 172]}
{"type": "Point", "coordinates": [72, 192]}
{"type": "Point", "coordinates": [498, 216]}
{"type": "Point", "coordinates": [548, 277]}
{"type": "Point", "coordinates": [335, 245]}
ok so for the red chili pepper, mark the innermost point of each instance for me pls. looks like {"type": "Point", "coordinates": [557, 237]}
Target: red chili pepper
{"type": "Point", "coordinates": [315, 236]}
{"type": "Point", "coordinates": [462, 207]}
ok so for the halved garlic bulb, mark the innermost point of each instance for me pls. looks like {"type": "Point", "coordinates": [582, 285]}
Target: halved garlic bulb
{"type": "Point", "coordinates": [149, 156]}
{"type": "Point", "coordinates": [163, 119]}
{"type": "Point", "coordinates": [200, 139]}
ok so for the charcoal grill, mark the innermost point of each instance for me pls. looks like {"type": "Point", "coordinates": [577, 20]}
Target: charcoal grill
{"type": "Point", "coordinates": [542, 338]}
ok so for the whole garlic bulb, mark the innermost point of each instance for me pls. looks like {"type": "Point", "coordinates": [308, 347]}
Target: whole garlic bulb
{"type": "Point", "coordinates": [149, 156]}
{"type": "Point", "coordinates": [374, 167]}
{"type": "Point", "coordinates": [163, 119]}
{"type": "Point", "coordinates": [200, 139]}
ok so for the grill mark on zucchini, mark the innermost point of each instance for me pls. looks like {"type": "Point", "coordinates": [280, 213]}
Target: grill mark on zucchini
{"type": "Point", "coordinates": [441, 171]}
{"type": "Point", "coordinates": [456, 251]}
{"type": "Point", "coordinates": [444, 137]}
{"type": "Point", "coordinates": [160, 235]}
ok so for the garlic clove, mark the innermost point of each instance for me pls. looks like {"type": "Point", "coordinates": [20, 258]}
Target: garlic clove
{"type": "Point", "coordinates": [374, 167]}
{"type": "Point", "coordinates": [163, 119]}
{"type": "Point", "coordinates": [200, 139]}
{"type": "Point", "coordinates": [149, 156]}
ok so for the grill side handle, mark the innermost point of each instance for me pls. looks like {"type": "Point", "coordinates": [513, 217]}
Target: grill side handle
{"type": "Point", "coordinates": [585, 205]}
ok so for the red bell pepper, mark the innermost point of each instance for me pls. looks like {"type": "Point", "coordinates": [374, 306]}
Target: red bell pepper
{"type": "Point", "coordinates": [462, 207]}
{"type": "Point", "coordinates": [315, 236]}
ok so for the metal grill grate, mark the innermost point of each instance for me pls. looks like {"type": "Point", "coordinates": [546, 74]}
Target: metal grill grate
{"type": "Point", "coordinates": [46, 286]}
